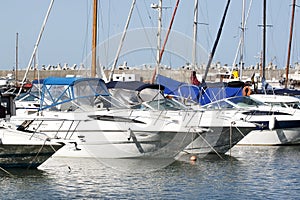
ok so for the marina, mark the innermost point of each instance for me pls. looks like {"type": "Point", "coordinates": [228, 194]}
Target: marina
{"type": "Point", "coordinates": [150, 113]}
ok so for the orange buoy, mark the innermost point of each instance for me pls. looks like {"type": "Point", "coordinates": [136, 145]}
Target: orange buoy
{"type": "Point", "coordinates": [193, 158]}
{"type": "Point", "coordinates": [246, 91]}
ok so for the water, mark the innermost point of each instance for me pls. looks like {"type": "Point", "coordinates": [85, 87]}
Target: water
{"type": "Point", "coordinates": [250, 173]}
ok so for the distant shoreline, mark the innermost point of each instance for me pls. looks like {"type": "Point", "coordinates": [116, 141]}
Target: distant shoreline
{"type": "Point", "coordinates": [145, 74]}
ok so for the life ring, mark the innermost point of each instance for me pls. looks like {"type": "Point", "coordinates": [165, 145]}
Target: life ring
{"type": "Point", "coordinates": [247, 91]}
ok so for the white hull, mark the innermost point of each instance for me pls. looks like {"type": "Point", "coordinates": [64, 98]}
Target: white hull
{"type": "Point", "coordinates": [272, 137]}
{"type": "Point", "coordinates": [165, 133]}
{"type": "Point", "coordinates": [119, 133]}
{"type": "Point", "coordinates": [277, 125]}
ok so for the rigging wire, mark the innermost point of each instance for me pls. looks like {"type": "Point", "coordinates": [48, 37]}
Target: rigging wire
{"type": "Point", "coordinates": [270, 38]}
{"type": "Point", "coordinates": [146, 34]}
{"type": "Point", "coordinates": [86, 38]}
{"type": "Point", "coordinates": [205, 16]}
{"type": "Point", "coordinates": [148, 14]}
{"type": "Point", "coordinates": [100, 24]}
{"type": "Point", "coordinates": [240, 41]}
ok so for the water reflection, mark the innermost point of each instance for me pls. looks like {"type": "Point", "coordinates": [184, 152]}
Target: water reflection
{"type": "Point", "coordinates": [250, 172]}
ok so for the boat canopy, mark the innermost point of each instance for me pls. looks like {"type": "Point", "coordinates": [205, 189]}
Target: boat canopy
{"type": "Point", "coordinates": [79, 91]}
{"type": "Point", "coordinates": [203, 94]}
{"type": "Point", "coordinates": [135, 92]}
{"type": "Point", "coordinates": [133, 85]}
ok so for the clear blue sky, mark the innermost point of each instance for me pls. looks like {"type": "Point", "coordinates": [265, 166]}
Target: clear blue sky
{"type": "Point", "coordinates": [66, 38]}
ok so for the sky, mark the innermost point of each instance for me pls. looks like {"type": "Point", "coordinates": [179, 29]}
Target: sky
{"type": "Point", "coordinates": [67, 35]}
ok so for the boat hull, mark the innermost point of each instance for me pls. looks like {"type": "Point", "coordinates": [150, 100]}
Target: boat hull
{"type": "Point", "coordinates": [141, 145]}
{"type": "Point", "coordinates": [289, 136]}
{"type": "Point", "coordinates": [212, 143]}
{"type": "Point", "coordinates": [25, 156]}
{"type": "Point", "coordinates": [120, 133]}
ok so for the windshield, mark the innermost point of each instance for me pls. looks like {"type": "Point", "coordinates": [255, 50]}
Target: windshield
{"type": "Point", "coordinates": [218, 105]}
{"type": "Point", "coordinates": [245, 101]}
{"type": "Point", "coordinates": [166, 104]}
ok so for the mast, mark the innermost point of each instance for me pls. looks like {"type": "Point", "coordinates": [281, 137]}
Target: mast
{"type": "Point", "coordinates": [241, 46]}
{"type": "Point", "coordinates": [242, 41]}
{"type": "Point", "coordinates": [216, 42]}
{"type": "Point", "coordinates": [94, 39]}
{"type": "Point", "coordinates": [290, 44]}
{"type": "Point", "coordinates": [194, 53]}
{"type": "Point", "coordinates": [159, 26]}
{"type": "Point", "coordinates": [169, 30]}
{"type": "Point", "coordinates": [264, 41]}
{"type": "Point", "coordinates": [36, 45]}
{"type": "Point", "coordinates": [34, 66]}
{"type": "Point", "coordinates": [17, 43]}
{"type": "Point", "coordinates": [159, 35]}
{"type": "Point", "coordinates": [122, 40]}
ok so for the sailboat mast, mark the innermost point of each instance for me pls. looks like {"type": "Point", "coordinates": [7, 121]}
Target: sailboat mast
{"type": "Point", "coordinates": [36, 45]}
{"type": "Point", "coordinates": [264, 41]}
{"type": "Point", "coordinates": [159, 26]}
{"type": "Point", "coordinates": [211, 56]}
{"type": "Point", "coordinates": [34, 65]}
{"type": "Point", "coordinates": [94, 39]}
{"type": "Point", "coordinates": [17, 44]}
{"type": "Point", "coordinates": [194, 53]}
{"type": "Point", "coordinates": [159, 35]}
{"type": "Point", "coordinates": [169, 31]}
{"type": "Point", "coordinates": [122, 41]}
{"type": "Point", "coordinates": [242, 41]}
{"type": "Point", "coordinates": [290, 44]}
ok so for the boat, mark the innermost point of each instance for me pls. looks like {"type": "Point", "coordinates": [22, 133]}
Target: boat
{"type": "Point", "coordinates": [22, 149]}
{"type": "Point", "coordinates": [278, 125]}
{"type": "Point", "coordinates": [223, 132]}
{"type": "Point", "coordinates": [29, 102]}
{"type": "Point", "coordinates": [25, 150]}
{"type": "Point", "coordinates": [278, 100]}
{"type": "Point", "coordinates": [83, 111]}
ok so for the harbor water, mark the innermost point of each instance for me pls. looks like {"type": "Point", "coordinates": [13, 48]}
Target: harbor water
{"type": "Point", "coordinates": [249, 173]}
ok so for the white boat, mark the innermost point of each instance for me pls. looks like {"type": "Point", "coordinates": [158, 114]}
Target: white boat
{"type": "Point", "coordinates": [24, 150]}
{"type": "Point", "coordinates": [278, 100]}
{"type": "Point", "coordinates": [223, 132]}
{"type": "Point", "coordinates": [82, 110]}
{"type": "Point", "coordinates": [279, 126]}
{"type": "Point", "coordinates": [29, 102]}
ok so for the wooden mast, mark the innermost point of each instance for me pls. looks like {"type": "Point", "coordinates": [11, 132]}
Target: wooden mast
{"type": "Point", "coordinates": [94, 39]}
{"type": "Point", "coordinates": [290, 44]}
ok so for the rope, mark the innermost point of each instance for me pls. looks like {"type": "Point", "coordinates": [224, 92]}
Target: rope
{"type": "Point", "coordinates": [37, 154]}
{"type": "Point", "coordinates": [199, 134]}
{"type": "Point", "coordinates": [7, 172]}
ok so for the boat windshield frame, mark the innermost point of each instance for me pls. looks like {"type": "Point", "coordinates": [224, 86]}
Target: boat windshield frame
{"type": "Point", "coordinates": [71, 93]}
{"type": "Point", "coordinates": [245, 102]}
{"type": "Point", "coordinates": [233, 103]}
{"type": "Point", "coordinates": [165, 104]}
